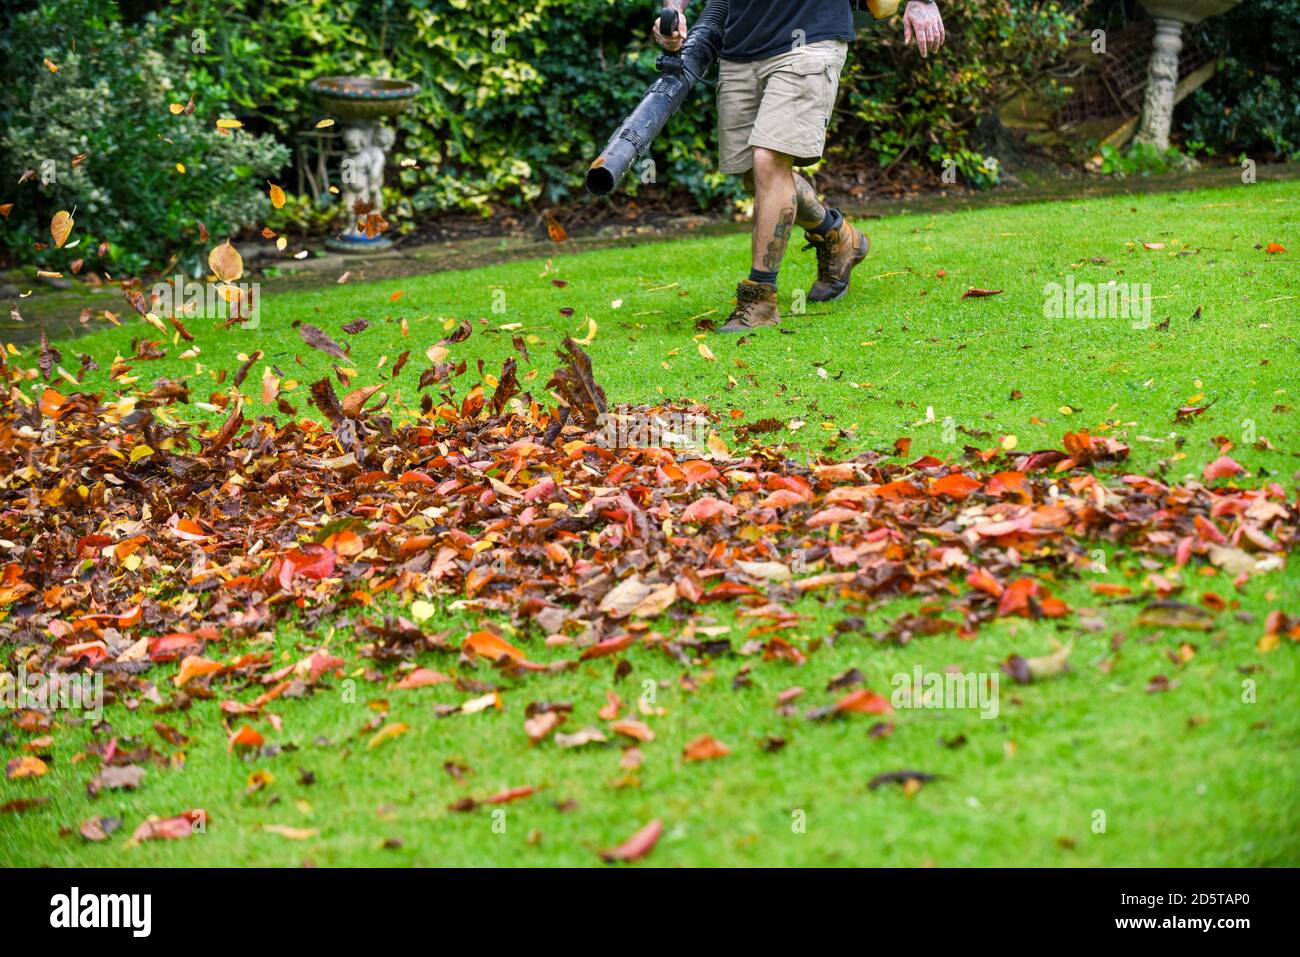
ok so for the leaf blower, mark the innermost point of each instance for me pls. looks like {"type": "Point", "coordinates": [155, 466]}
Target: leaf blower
{"type": "Point", "coordinates": [681, 71]}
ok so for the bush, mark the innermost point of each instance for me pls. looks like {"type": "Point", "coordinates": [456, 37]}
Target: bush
{"type": "Point", "coordinates": [1250, 105]}
{"type": "Point", "coordinates": [517, 99]}
{"type": "Point", "coordinates": [109, 101]}
{"type": "Point", "coordinates": [897, 105]}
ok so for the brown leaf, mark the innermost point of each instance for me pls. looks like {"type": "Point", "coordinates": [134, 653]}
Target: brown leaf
{"type": "Point", "coordinates": [705, 748]}
{"type": "Point", "coordinates": [113, 777]}
{"type": "Point", "coordinates": [319, 340]}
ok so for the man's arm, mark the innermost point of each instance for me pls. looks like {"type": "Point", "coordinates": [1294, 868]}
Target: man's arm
{"type": "Point", "coordinates": [674, 42]}
{"type": "Point", "coordinates": [922, 21]}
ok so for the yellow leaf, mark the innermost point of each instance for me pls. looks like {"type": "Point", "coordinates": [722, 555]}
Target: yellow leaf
{"type": "Point", "coordinates": [277, 197]}
{"type": "Point", "coordinates": [323, 124]}
{"type": "Point", "coordinates": [292, 833]}
{"type": "Point", "coordinates": [228, 124]}
{"type": "Point", "coordinates": [61, 227]}
{"type": "Point", "coordinates": [140, 452]}
{"type": "Point", "coordinates": [25, 767]}
{"type": "Point", "coordinates": [225, 262]}
{"type": "Point", "coordinates": [707, 353]}
{"type": "Point", "coordinates": [475, 705]}
{"type": "Point", "coordinates": [387, 733]}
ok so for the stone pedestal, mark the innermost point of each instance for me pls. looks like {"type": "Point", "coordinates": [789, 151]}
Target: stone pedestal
{"type": "Point", "coordinates": [1162, 74]}
{"type": "Point", "coordinates": [1162, 80]}
{"type": "Point", "coordinates": [361, 102]}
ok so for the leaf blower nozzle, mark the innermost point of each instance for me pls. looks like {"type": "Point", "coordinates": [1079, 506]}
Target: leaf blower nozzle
{"type": "Point", "coordinates": [681, 71]}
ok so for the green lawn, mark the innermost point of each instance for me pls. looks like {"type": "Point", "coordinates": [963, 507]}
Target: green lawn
{"type": "Point", "coordinates": [1190, 776]}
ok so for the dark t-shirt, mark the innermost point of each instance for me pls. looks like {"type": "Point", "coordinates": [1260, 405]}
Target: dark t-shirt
{"type": "Point", "coordinates": [758, 29]}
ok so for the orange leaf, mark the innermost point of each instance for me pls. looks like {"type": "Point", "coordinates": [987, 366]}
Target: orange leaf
{"type": "Point", "coordinates": [387, 733]}
{"type": "Point", "coordinates": [555, 230]}
{"type": "Point", "coordinates": [193, 667]}
{"type": "Point", "coordinates": [28, 766]}
{"type": "Point", "coordinates": [492, 646]}
{"type": "Point", "coordinates": [956, 486]}
{"type": "Point", "coordinates": [705, 748]}
{"type": "Point", "coordinates": [421, 678]}
{"type": "Point", "coordinates": [633, 729]}
{"type": "Point", "coordinates": [245, 737]}
{"type": "Point", "coordinates": [51, 402]}
{"type": "Point", "coordinates": [863, 701]}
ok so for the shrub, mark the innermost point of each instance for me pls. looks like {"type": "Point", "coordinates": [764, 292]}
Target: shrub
{"type": "Point", "coordinates": [516, 100]}
{"type": "Point", "coordinates": [900, 106]}
{"type": "Point", "coordinates": [109, 101]}
{"type": "Point", "coordinates": [1250, 105]}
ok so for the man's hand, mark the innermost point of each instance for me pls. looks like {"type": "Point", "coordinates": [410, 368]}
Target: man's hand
{"type": "Point", "coordinates": [922, 21]}
{"type": "Point", "coordinates": [673, 42]}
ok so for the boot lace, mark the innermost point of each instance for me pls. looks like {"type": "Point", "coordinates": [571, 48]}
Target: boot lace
{"type": "Point", "coordinates": [825, 252]}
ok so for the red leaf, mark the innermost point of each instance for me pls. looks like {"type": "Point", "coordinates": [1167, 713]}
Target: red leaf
{"type": "Point", "coordinates": [638, 845]}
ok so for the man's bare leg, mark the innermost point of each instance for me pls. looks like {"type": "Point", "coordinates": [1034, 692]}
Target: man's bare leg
{"type": "Point", "coordinates": [810, 211]}
{"type": "Point", "coordinates": [776, 205]}
{"type": "Point", "coordinates": [782, 199]}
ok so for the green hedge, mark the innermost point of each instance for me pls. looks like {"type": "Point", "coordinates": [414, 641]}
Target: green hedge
{"type": "Point", "coordinates": [1252, 104]}
{"type": "Point", "coordinates": [516, 99]}
{"type": "Point", "coordinates": [99, 139]}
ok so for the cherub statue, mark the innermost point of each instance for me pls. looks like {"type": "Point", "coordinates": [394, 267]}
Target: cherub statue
{"type": "Point", "coordinates": [376, 154]}
{"type": "Point", "coordinates": [356, 169]}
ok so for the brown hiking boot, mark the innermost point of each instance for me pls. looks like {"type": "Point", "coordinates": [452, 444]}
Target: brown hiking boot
{"type": "Point", "coordinates": [837, 253]}
{"type": "Point", "coordinates": [755, 306]}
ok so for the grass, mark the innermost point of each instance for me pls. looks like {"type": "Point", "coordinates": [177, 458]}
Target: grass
{"type": "Point", "coordinates": [1191, 776]}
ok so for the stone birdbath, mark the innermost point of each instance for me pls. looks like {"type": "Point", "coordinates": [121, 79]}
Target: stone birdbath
{"type": "Point", "coordinates": [362, 102]}
{"type": "Point", "coordinates": [1162, 74]}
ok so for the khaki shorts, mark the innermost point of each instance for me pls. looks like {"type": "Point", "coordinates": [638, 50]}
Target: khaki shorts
{"type": "Point", "coordinates": [782, 103]}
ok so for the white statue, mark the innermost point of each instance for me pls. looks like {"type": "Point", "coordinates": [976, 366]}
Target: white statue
{"type": "Point", "coordinates": [366, 152]}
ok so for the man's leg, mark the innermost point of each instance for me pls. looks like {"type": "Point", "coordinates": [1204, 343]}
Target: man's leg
{"type": "Point", "coordinates": [776, 210]}
{"type": "Point", "coordinates": [810, 212]}
{"type": "Point", "coordinates": [776, 206]}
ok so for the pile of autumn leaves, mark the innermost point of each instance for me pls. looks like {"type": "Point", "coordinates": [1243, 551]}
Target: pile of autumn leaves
{"type": "Point", "coordinates": [134, 542]}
